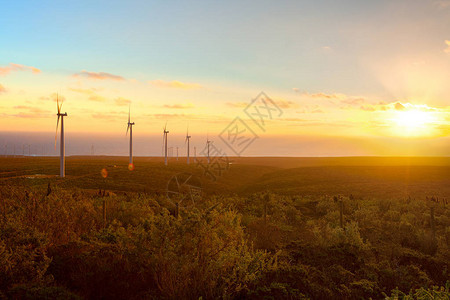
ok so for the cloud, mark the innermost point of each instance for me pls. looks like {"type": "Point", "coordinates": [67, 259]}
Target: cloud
{"type": "Point", "coordinates": [122, 101]}
{"type": "Point", "coordinates": [16, 67]}
{"type": "Point", "coordinates": [367, 108]}
{"type": "Point", "coordinates": [2, 89]}
{"type": "Point", "coordinates": [398, 106]}
{"type": "Point", "coordinates": [83, 91]}
{"type": "Point", "coordinates": [320, 95]}
{"type": "Point", "coordinates": [97, 98]}
{"type": "Point", "coordinates": [280, 103]}
{"type": "Point", "coordinates": [175, 84]}
{"type": "Point", "coordinates": [285, 104]}
{"type": "Point", "coordinates": [447, 50]}
{"type": "Point", "coordinates": [99, 76]}
{"type": "Point", "coordinates": [93, 96]}
{"type": "Point", "coordinates": [354, 101]}
{"type": "Point", "coordinates": [28, 112]}
{"type": "Point", "coordinates": [32, 109]}
{"type": "Point", "coordinates": [178, 106]}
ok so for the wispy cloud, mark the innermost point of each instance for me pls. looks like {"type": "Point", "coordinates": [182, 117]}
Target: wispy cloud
{"type": "Point", "coordinates": [175, 84]}
{"type": "Point", "coordinates": [285, 104]}
{"type": "Point", "coordinates": [353, 101]}
{"type": "Point", "coordinates": [93, 96]}
{"type": "Point", "coordinates": [27, 112]}
{"type": "Point", "coordinates": [97, 98]}
{"type": "Point", "coordinates": [447, 50]}
{"type": "Point", "coordinates": [2, 89]}
{"type": "Point", "coordinates": [99, 76]}
{"type": "Point", "coordinates": [16, 67]}
{"type": "Point", "coordinates": [320, 95]}
{"type": "Point", "coordinates": [122, 101]}
{"type": "Point", "coordinates": [178, 106]}
{"type": "Point", "coordinates": [399, 106]}
{"type": "Point", "coordinates": [281, 103]}
{"type": "Point", "coordinates": [32, 109]}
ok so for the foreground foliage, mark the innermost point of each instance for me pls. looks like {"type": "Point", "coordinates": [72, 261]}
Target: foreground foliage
{"type": "Point", "coordinates": [62, 246]}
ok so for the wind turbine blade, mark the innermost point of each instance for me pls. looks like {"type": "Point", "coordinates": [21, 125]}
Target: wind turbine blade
{"type": "Point", "coordinates": [56, 134]}
{"type": "Point", "coordinates": [57, 104]}
{"type": "Point", "coordinates": [165, 126]}
{"type": "Point", "coordinates": [128, 127]}
{"type": "Point", "coordinates": [129, 111]}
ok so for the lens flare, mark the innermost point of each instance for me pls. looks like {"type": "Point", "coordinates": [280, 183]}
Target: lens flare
{"type": "Point", "coordinates": [131, 167]}
{"type": "Point", "coordinates": [104, 173]}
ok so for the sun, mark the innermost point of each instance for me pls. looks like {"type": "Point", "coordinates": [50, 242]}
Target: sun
{"type": "Point", "coordinates": [413, 122]}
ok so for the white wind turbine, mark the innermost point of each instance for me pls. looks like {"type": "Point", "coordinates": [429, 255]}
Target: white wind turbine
{"type": "Point", "coordinates": [62, 163]}
{"type": "Point", "coordinates": [130, 127]}
{"type": "Point", "coordinates": [165, 132]}
{"type": "Point", "coordinates": [187, 141]}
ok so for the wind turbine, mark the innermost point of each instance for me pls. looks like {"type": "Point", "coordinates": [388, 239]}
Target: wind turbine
{"type": "Point", "coordinates": [208, 142]}
{"type": "Point", "coordinates": [62, 153]}
{"type": "Point", "coordinates": [130, 127]}
{"type": "Point", "coordinates": [165, 132]}
{"type": "Point", "coordinates": [187, 141]}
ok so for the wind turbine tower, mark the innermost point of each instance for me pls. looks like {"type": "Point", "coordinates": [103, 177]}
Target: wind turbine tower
{"type": "Point", "coordinates": [130, 127]}
{"type": "Point", "coordinates": [165, 132]}
{"type": "Point", "coordinates": [62, 149]}
{"type": "Point", "coordinates": [187, 141]}
{"type": "Point", "coordinates": [208, 142]}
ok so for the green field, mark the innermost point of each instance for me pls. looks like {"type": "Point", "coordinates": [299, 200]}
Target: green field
{"type": "Point", "coordinates": [267, 228]}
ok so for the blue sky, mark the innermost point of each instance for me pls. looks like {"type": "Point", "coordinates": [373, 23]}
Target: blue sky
{"type": "Point", "coordinates": [260, 43]}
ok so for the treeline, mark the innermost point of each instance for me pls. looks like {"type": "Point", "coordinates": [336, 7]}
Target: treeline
{"type": "Point", "coordinates": [71, 244]}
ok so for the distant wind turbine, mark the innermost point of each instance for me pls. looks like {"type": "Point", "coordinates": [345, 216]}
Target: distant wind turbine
{"type": "Point", "coordinates": [208, 142]}
{"type": "Point", "coordinates": [130, 127]}
{"type": "Point", "coordinates": [62, 153]}
{"type": "Point", "coordinates": [187, 141]}
{"type": "Point", "coordinates": [165, 132]}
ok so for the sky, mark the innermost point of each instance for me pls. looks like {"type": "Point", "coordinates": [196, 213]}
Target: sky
{"type": "Point", "coordinates": [345, 77]}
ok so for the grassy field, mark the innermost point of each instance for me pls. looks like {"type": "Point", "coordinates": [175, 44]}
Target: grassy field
{"type": "Point", "coordinates": [368, 177]}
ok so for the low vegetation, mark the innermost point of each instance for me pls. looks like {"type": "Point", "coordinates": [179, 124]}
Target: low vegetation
{"type": "Point", "coordinates": [89, 237]}
{"type": "Point", "coordinates": [58, 243]}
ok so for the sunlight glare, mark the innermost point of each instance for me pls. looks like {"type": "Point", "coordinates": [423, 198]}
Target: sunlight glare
{"type": "Point", "coordinates": [413, 122]}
